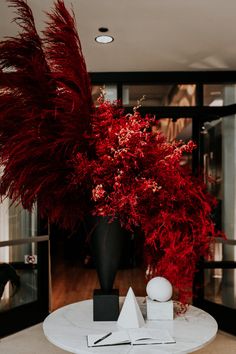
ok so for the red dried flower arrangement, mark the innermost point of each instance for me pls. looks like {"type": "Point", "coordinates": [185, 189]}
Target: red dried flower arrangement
{"type": "Point", "coordinates": [73, 159]}
{"type": "Point", "coordinates": [137, 177]}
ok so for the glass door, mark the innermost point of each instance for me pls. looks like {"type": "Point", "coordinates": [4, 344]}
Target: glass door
{"type": "Point", "coordinates": [218, 295]}
{"type": "Point", "coordinates": [24, 266]}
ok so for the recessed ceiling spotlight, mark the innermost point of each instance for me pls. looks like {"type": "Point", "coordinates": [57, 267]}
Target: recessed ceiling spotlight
{"type": "Point", "coordinates": [104, 39]}
{"type": "Point", "coordinates": [103, 29]}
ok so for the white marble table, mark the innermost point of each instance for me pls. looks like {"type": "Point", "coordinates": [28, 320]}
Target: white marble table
{"type": "Point", "coordinates": [68, 327]}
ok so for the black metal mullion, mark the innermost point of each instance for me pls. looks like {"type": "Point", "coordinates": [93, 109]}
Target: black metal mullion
{"type": "Point", "coordinates": [196, 127]}
{"type": "Point", "coordinates": [200, 113]}
{"type": "Point", "coordinates": [43, 278]}
{"type": "Point", "coordinates": [219, 264]}
{"type": "Point", "coordinates": [165, 77]}
{"type": "Point", "coordinates": [120, 92]}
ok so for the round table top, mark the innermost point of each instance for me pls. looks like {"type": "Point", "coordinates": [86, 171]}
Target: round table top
{"type": "Point", "coordinates": [68, 327]}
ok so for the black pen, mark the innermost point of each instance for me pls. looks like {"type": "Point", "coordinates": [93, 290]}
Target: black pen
{"type": "Point", "coordinates": [99, 340]}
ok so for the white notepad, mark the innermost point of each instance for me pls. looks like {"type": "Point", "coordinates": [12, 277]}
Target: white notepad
{"type": "Point", "coordinates": [138, 336]}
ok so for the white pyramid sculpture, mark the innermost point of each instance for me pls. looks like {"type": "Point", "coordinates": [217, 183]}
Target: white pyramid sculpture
{"type": "Point", "coordinates": [130, 315]}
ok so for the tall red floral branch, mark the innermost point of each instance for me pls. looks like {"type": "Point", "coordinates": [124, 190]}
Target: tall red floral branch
{"type": "Point", "coordinates": [137, 178]}
{"type": "Point", "coordinates": [40, 126]}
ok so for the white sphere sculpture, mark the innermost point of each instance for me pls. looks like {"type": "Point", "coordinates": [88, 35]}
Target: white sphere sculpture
{"type": "Point", "coordinates": [159, 289]}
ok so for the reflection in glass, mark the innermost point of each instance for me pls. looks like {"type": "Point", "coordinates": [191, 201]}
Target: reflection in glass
{"type": "Point", "coordinates": [15, 223]}
{"type": "Point", "coordinates": [159, 95]}
{"type": "Point", "coordinates": [219, 158]}
{"type": "Point", "coordinates": [180, 129]}
{"type": "Point", "coordinates": [15, 269]}
{"type": "Point", "coordinates": [218, 95]}
{"type": "Point", "coordinates": [212, 158]}
{"type": "Point", "coordinates": [110, 92]}
{"type": "Point", "coordinates": [219, 286]}
{"type": "Point", "coordinates": [18, 277]}
{"type": "Point", "coordinates": [22, 223]}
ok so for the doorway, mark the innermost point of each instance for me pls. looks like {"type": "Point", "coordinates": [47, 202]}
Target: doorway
{"type": "Point", "coordinates": [218, 274]}
{"type": "Point", "coordinates": [24, 269]}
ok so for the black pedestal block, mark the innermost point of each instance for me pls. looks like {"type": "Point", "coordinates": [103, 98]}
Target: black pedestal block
{"type": "Point", "coordinates": [105, 305]}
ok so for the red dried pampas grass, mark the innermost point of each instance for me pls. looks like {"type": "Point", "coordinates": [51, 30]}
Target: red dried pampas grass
{"type": "Point", "coordinates": [45, 112]}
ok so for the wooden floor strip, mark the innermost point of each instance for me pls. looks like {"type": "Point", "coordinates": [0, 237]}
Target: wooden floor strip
{"type": "Point", "coordinates": [73, 282]}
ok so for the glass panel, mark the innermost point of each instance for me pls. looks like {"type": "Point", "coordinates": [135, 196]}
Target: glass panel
{"type": "Point", "coordinates": [110, 92]}
{"type": "Point", "coordinates": [159, 95]}
{"type": "Point", "coordinates": [22, 223]}
{"type": "Point", "coordinates": [219, 95]}
{"type": "Point", "coordinates": [213, 157]}
{"type": "Point", "coordinates": [220, 286]}
{"type": "Point", "coordinates": [219, 158]}
{"type": "Point", "coordinates": [15, 223]}
{"type": "Point", "coordinates": [180, 129]}
{"type": "Point", "coordinates": [18, 276]}
{"type": "Point", "coordinates": [216, 252]}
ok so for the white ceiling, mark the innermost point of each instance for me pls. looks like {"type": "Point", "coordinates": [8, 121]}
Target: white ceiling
{"type": "Point", "coordinates": [150, 35]}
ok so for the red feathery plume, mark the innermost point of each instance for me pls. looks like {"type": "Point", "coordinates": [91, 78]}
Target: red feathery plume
{"type": "Point", "coordinates": [25, 56]}
{"type": "Point", "coordinates": [74, 100]}
{"type": "Point", "coordinates": [45, 111]}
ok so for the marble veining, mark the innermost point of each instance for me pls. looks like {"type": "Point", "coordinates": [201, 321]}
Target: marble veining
{"type": "Point", "coordinates": [68, 327]}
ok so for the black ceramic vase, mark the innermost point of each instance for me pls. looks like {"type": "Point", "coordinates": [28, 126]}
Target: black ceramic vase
{"type": "Point", "coordinates": [107, 244]}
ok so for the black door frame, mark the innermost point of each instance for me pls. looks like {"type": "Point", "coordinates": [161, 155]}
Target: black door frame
{"type": "Point", "coordinates": [225, 316]}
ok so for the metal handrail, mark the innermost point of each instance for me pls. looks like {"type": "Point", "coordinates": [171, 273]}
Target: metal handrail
{"type": "Point", "coordinates": [33, 239]}
{"type": "Point", "coordinates": [225, 241]}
